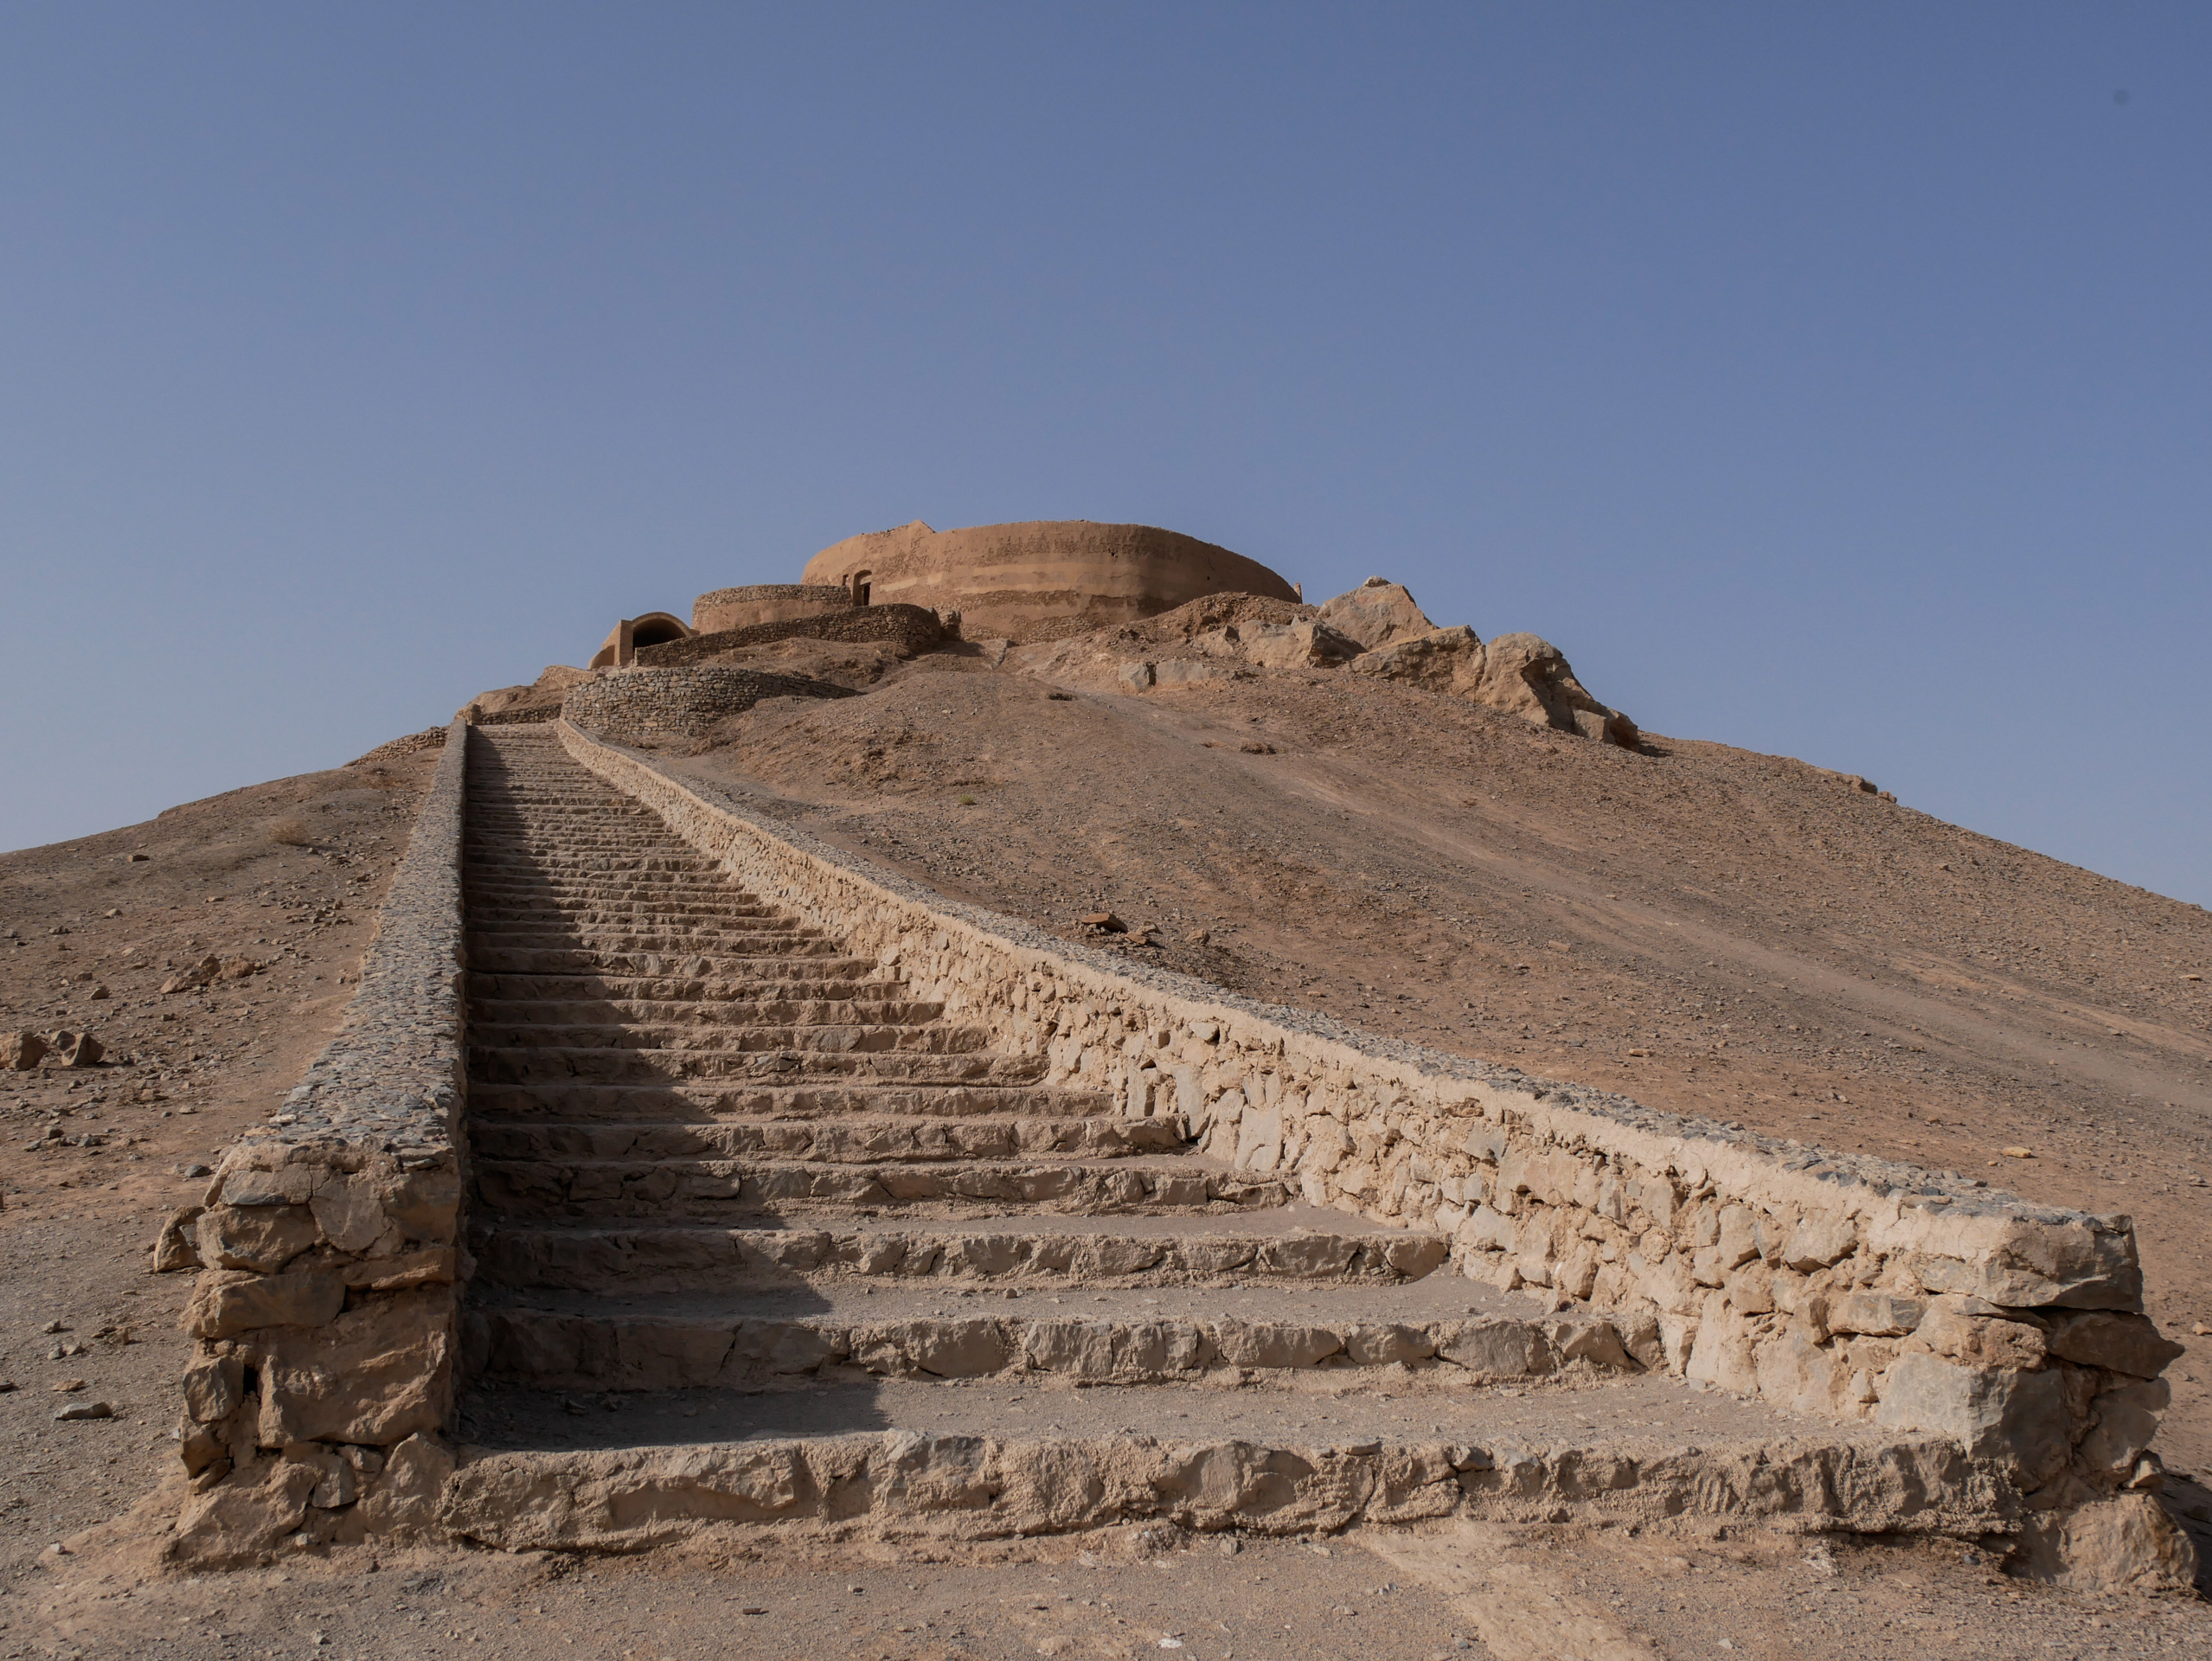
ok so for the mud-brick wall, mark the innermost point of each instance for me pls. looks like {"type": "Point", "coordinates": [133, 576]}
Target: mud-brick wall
{"type": "Point", "coordinates": [664, 703]}
{"type": "Point", "coordinates": [329, 1246]}
{"type": "Point", "coordinates": [1826, 1284]}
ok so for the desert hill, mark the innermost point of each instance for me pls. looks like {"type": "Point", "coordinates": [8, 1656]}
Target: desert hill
{"type": "Point", "coordinates": [1741, 936]}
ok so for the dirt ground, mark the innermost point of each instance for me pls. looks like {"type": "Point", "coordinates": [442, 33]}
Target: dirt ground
{"type": "Point", "coordinates": [1707, 930]}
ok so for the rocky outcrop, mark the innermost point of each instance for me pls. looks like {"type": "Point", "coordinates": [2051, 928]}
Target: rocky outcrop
{"type": "Point", "coordinates": [544, 692]}
{"type": "Point", "coordinates": [1518, 673]}
{"type": "Point", "coordinates": [1532, 678]}
{"type": "Point", "coordinates": [1442, 660]}
{"type": "Point", "coordinates": [1376, 614]}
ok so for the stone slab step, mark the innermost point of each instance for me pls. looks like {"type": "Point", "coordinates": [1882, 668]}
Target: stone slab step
{"type": "Point", "coordinates": [861, 1140]}
{"type": "Point", "coordinates": [597, 1190]}
{"type": "Point", "coordinates": [626, 1103]}
{"type": "Point", "coordinates": [484, 913]}
{"type": "Point", "coordinates": [792, 1067]}
{"type": "Point", "coordinates": [768, 980]}
{"type": "Point", "coordinates": [821, 962]}
{"type": "Point", "coordinates": [865, 1007]}
{"type": "Point", "coordinates": [999, 1252]}
{"type": "Point", "coordinates": [996, 1460]}
{"type": "Point", "coordinates": [697, 1341]}
{"type": "Point", "coordinates": [608, 940]}
{"type": "Point", "coordinates": [665, 1039]}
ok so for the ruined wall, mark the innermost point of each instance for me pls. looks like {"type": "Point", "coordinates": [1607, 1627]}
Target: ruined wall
{"type": "Point", "coordinates": [1825, 1283]}
{"type": "Point", "coordinates": [683, 702]}
{"type": "Point", "coordinates": [328, 1244]}
{"type": "Point", "coordinates": [910, 628]}
{"type": "Point", "coordinates": [764, 602]}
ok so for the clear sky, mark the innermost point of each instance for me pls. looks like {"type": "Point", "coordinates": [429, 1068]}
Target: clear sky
{"type": "Point", "coordinates": [1829, 381]}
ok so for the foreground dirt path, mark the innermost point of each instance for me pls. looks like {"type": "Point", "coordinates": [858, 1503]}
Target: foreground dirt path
{"type": "Point", "coordinates": [1375, 1595]}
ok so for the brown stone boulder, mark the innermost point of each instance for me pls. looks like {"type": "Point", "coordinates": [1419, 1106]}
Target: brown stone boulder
{"type": "Point", "coordinates": [77, 1049]}
{"type": "Point", "coordinates": [1376, 614]}
{"type": "Point", "coordinates": [1532, 678]}
{"type": "Point", "coordinates": [1443, 660]}
{"type": "Point", "coordinates": [20, 1052]}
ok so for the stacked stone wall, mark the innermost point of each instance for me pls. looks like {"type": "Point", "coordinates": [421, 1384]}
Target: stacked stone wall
{"type": "Point", "coordinates": [661, 703]}
{"type": "Point", "coordinates": [910, 628]}
{"type": "Point", "coordinates": [764, 602]}
{"type": "Point", "coordinates": [329, 1246]}
{"type": "Point", "coordinates": [1827, 1284]}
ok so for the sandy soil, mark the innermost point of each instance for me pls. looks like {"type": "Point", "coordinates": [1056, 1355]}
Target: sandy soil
{"type": "Point", "coordinates": [1536, 1595]}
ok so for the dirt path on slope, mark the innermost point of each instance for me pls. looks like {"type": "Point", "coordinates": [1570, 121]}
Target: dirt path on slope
{"type": "Point", "coordinates": [1711, 931]}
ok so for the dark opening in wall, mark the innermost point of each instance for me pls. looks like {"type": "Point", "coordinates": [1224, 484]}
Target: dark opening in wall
{"type": "Point", "coordinates": [655, 633]}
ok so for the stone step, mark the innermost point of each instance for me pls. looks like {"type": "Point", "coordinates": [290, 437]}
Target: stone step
{"type": "Point", "coordinates": [859, 1140]}
{"type": "Point", "coordinates": [505, 890]}
{"type": "Point", "coordinates": [656, 868]}
{"type": "Point", "coordinates": [490, 911]}
{"type": "Point", "coordinates": [608, 938]}
{"type": "Point", "coordinates": [785, 1067]}
{"type": "Point", "coordinates": [572, 960]}
{"type": "Point", "coordinates": [867, 1006]}
{"type": "Point", "coordinates": [1295, 1244]}
{"type": "Point", "coordinates": [688, 1341]}
{"type": "Point", "coordinates": [624, 1103]}
{"type": "Point", "coordinates": [1293, 1452]}
{"type": "Point", "coordinates": [860, 979]}
{"type": "Point", "coordinates": [837, 1031]}
{"type": "Point", "coordinates": [588, 1191]}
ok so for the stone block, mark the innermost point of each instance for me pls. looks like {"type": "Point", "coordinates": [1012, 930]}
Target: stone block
{"type": "Point", "coordinates": [2120, 1342]}
{"type": "Point", "coordinates": [262, 1238]}
{"type": "Point", "coordinates": [2126, 1420]}
{"type": "Point", "coordinates": [2013, 1418]}
{"type": "Point", "coordinates": [1877, 1314]}
{"type": "Point", "coordinates": [230, 1302]}
{"type": "Point", "coordinates": [372, 1376]}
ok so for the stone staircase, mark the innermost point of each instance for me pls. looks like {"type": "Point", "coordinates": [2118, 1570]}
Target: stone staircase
{"type": "Point", "coordinates": [763, 1238]}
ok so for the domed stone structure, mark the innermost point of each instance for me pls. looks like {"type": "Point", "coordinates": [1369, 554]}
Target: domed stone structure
{"type": "Point", "coordinates": [1017, 579]}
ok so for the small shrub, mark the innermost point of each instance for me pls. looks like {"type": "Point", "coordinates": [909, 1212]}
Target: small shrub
{"type": "Point", "coordinates": [967, 801]}
{"type": "Point", "coordinates": [292, 833]}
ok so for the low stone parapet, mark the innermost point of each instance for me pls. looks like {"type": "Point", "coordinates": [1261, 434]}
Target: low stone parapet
{"type": "Point", "coordinates": [329, 1246]}
{"type": "Point", "coordinates": [1824, 1284]}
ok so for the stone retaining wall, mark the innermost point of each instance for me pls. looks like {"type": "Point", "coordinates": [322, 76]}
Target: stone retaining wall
{"type": "Point", "coordinates": [1824, 1283]}
{"type": "Point", "coordinates": [328, 1247]}
{"type": "Point", "coordinates": [763, 602]}
{"type": "Point", "coordinates": [664, 704]}
{"type": "Point", "coordinates": [911, 628]}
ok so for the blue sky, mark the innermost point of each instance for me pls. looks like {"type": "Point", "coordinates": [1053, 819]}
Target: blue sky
{"type": "Point", "coordinates": [1832, 382]}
